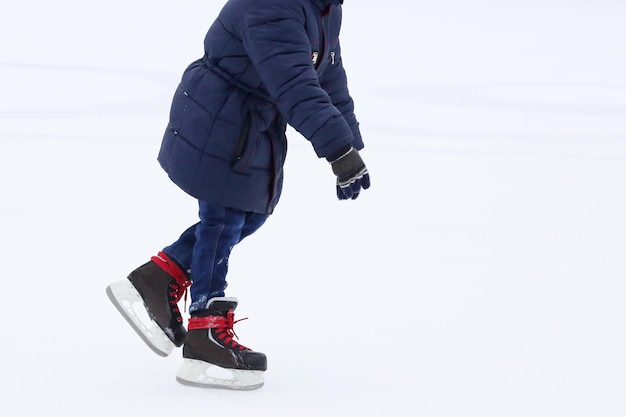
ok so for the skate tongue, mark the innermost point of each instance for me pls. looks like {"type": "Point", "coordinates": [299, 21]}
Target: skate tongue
{"type": "Point", "coordinates": [221, 305]}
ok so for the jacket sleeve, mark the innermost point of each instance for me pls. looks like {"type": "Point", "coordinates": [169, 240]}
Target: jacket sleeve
{"type": "Point", "coordinates": [275, 39]}
{"type": "Point", "coordinates": [334, 82]}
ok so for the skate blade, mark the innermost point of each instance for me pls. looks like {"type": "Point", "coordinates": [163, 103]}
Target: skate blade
{"type": "Point", "coordinates": [129, 303]}
{"type": "Point", "coordinates": [202, 374]}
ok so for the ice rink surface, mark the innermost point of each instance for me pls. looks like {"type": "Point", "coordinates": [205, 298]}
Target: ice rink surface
{"type": "Point", "coordinates": [482, 275]}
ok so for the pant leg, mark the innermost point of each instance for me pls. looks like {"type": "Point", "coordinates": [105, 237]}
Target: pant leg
{"type": "Point", "coordinates": [219, 230]}
{"type": "Point", "coordinates": [181, 250]}
{"type": "Point", "coordinates": [252, 223]}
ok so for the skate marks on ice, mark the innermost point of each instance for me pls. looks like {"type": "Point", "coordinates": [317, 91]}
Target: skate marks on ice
{"type": "Point", "coordinates": [526, 111]}
{"type": "Point", "coordinates": [563, 119]}
{"type": "Point", "coordinates": [578, 98]}
{"type": "Point", "coordinates": [201, 374]}
{"type": "Point", "coordinates": [88, 91]}
{"type": "Point", "coordinates": [129, 303]}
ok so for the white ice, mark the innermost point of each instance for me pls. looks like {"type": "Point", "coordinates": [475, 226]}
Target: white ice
{"type": "Point", "coordinates": [482, 275]}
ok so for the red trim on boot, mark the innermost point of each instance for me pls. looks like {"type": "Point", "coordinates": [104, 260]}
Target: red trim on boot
{"type": "Point", "coordinates": [223, 327]}
{"type": "Point", "coordinates": [169, 266]}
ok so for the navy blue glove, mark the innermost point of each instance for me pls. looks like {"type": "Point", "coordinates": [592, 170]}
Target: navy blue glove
{"type": "Point", "coordinates": [352, 175]}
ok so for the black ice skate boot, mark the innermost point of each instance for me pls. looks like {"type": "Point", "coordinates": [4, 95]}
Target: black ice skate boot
{"type": "Point", "coordinates": [211, 356]}
{"type": "Point", "coordinates": [154, 288]}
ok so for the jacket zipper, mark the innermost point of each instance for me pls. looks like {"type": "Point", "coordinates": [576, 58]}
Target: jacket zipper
{"type": "Point", "coordinates": [325, 14]}
{"type": "Point", "coordinates": [243, 137]}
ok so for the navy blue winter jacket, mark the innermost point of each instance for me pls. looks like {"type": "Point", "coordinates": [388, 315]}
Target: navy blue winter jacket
{"type": "Point", "coordinates": [267, 63]}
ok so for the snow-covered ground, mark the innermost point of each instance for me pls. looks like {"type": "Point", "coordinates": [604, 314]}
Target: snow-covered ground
{"type": "Point", "coordinates": [483, 274]}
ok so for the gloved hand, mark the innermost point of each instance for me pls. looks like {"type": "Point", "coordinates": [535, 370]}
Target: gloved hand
{"type": "Point", "coordinates": [352, 175]}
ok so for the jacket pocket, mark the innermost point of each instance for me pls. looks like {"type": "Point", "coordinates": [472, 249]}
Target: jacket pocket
{"type": "Point", "coordinates": [243, 146]}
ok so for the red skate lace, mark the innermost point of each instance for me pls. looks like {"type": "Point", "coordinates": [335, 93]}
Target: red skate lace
{"type": "Point", "coordinates": [180, 288]}
{"type": "Point", "coordinates": [223, 328]}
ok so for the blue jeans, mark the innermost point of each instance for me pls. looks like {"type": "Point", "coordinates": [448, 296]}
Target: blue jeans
{"type": "Point", "coordinates": [204, 248]}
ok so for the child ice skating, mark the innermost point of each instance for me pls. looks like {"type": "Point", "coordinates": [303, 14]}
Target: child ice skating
{"type": "Point", "coordinates": [267, 63]}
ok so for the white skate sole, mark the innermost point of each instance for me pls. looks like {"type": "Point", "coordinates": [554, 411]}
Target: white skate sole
{"type": "Point", "coordinates": [129, 303]}
{"type": "Point", "coordinates": [205, 375]}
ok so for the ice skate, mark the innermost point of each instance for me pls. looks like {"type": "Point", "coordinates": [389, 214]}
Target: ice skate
{"type": "Point", "coordinates": [148, 301]}
{"type": "Point", "coordinates": [211, 356]}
